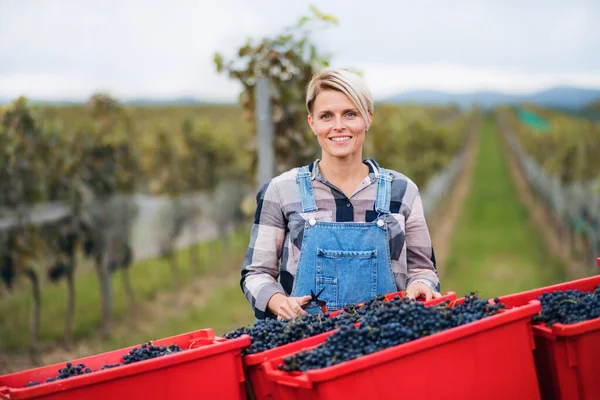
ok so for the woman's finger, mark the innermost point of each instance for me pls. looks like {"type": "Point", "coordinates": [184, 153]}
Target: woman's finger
{"type": "Point", "coordinates": [285, 312]}
{"type": "Point", "coordinates": [297, 308]}
{"type": "Point", "coordinates": [294, 307]}
{"type": "Point", "coordinates": [437, 295]}
{"type": "Point", "coordinates": [300, 311]}
{"type": "Point", "coordinates": [428, 294]}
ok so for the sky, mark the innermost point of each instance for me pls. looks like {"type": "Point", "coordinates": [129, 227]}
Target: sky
{"type": "Point", "coordinates": [69, 49]}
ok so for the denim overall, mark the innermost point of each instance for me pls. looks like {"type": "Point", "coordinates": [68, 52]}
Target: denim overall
{"type": "Point", "coordinates": [349, 260]}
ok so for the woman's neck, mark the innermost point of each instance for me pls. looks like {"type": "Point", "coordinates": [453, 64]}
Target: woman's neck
{"type": "Point", "coordinates": [345, 174]}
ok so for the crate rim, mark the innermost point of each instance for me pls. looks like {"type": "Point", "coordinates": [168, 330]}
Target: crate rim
{"type": "Point", "coordinates": [566, 330]}
{"type": "Point", "coordinates": [569, 285]}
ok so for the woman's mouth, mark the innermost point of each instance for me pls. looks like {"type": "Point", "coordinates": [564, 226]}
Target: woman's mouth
{"type": "Point", "coordinates": [340, 139]}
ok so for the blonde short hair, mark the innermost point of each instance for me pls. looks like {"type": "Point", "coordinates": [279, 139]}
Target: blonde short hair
{"type": "Point", "coordinates": [345, 81]}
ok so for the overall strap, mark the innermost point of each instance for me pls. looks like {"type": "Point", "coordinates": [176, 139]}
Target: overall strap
{"type": "Point", "coordinates": [306, 191]}
{"type": "Point", "coordinates": [384, 191]}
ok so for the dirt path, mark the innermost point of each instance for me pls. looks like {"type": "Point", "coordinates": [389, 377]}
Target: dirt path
{"type": "Point", "coordinates": [538, 214]}
{"type": "Point", "coordinates": [443, 220]}
{"type": "Point", "coordinates": [165, 304]}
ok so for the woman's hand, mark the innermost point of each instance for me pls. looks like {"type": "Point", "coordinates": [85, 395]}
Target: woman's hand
{"type": "Point", "coordinates": [420, 289]}
{"type": "Point", "coordinates": [287, 307]}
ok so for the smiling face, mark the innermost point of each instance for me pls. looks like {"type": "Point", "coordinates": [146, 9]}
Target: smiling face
{"type": "Point", "coordinates": [338, 125]}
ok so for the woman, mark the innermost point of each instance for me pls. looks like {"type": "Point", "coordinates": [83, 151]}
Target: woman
{"type": "Point", "coordinates": [342, 225]}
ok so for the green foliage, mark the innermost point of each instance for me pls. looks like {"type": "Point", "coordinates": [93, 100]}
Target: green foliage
{"type": "Point", "coordinates": [413, 141]}
{"type": "Point", "coordinates": [77, 154]}
{"type": "Point", "coordinates": [289, 60]}
{"type": "Point", "coordinates": [593, 106]}
{"type": "Point", "coordinates": [568, 150]}
{"type": "Point", "coordinates": [23, 151]}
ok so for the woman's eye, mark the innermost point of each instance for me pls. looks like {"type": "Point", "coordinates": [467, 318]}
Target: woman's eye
{"type": "Point", "coordinates": [325, 116]}
{"type": "Point", "coordinates": [351, 114]}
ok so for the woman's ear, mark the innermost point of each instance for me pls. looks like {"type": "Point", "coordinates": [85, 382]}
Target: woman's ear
{"type": "Point", "coordinates": [311, 124]}
{"type": "Point", "coordinates": [370, 122]}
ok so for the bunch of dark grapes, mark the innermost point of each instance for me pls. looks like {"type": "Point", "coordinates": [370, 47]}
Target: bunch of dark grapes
{"type": "Point", "coordinates": [68, 371]}
{"type": "Point", "coordinates": [8, 269]}
{"type": "Point", "coordinates": [269, 333]}
{"type": "Point", "coordinates": [145, 352]}
{"type": "Point", "coordinates": [395, 322]}
{"type": "Point", "coordinates": [58, 270]}
{"type": "Point", "coordinates": [569, 306]}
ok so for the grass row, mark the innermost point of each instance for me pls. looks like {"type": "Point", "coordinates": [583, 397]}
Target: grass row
{"type": "Point", "coordinates": [495, 250]}
{"type": "Point", "coordinates": [224, 309]}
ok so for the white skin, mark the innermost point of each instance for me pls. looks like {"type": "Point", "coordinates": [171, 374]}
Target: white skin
{"type": "Point", "coordinates": [340, 130]}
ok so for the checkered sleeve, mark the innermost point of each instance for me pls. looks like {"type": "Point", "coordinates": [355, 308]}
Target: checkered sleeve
{"type": "Point", "coordinates": [420, 256]}
{"type": "Point", "coordinates": [261, 266]}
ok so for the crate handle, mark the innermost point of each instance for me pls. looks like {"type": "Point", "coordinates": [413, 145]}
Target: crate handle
{"type": "Point", "coordinates": [283, 378]}
{"type": "Point", "coordinates": [4, 393]}
{"type": "Point", "coordinates": [196, 343]}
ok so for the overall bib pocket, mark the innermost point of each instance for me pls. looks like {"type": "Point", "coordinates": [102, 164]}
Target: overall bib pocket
{"type": "Point", "coordinates": [347, 277]}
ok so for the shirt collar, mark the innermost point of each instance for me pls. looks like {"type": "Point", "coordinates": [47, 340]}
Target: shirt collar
{"type": "Point", "coordinates": [372, 164]}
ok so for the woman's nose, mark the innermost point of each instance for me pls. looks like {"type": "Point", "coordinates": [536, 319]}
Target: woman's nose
{"type": "Point", "coordinates": [339, 124]}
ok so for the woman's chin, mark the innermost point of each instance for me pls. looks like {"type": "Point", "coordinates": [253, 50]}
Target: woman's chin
{"type": "Point", "coordinates": [340, 154]}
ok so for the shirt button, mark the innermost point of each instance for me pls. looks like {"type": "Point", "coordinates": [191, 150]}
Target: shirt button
{"type": "Point", "coordinates": [312, 222]}
{"type": "Point", "coordinates": [348, 204]}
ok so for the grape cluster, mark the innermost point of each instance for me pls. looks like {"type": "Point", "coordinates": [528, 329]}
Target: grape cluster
{"type": "Point", "coordinates": [145, 352]}
{"type": "Point", "coordinates": [7, 268]}
{"type": "Point", "coordinates": [58, 270]}
{"type": "Point", "coordinates": [68, 371]}
{"type": "Point", "coordinates": [269, 333]}
{"type": "Point", "coordinates": [569, 306]}
{"type": "Point", "coordinates": [395, 322]}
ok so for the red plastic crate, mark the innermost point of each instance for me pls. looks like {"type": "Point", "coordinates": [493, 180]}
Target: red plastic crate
{"type": "Point", "coordinates": [566, 356]}
{"type": "Point", "coordinates": [487, 359]}
{"type": "Point", "coordinates": [263, 388]}
{"type": "Point", "coordinates": [211, 368]}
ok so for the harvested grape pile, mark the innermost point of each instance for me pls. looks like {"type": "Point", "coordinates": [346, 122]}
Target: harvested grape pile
{"type": "Point", "coordinates": [569, 306]}
{"type": "Point", "coordinates": [145, 352]}
{"type": "Point", "coordinates": [395, 322]}
{"type": "Point", "coordinates": [269, 333]}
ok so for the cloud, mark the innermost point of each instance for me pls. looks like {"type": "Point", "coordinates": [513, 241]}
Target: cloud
{"type": "Point", "coordinates": [132, 48]}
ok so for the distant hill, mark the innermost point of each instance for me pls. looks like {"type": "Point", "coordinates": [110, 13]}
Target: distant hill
{"type": "Point", "coordinates": [179, 101]}
{"type": "Point", "coordinates": [559, 97]}
{"type": "Point", "coordinates": [568, 98]}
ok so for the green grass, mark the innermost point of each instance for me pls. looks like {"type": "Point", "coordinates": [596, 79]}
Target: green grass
{"type": "Point", "coordinates": [224, 310]}
{"type": "Point", "coordinates": [148, 278]}
{"type": "Point", "coordinates": [495, 250]}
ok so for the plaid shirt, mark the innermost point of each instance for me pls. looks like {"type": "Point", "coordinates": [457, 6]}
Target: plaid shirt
{"type": "Point", "coordinates": [277, 232]}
